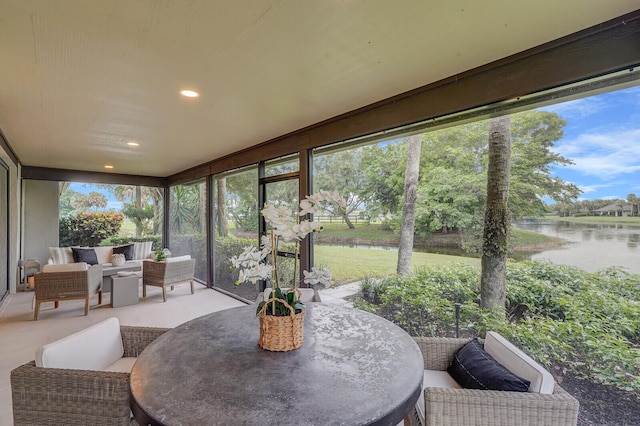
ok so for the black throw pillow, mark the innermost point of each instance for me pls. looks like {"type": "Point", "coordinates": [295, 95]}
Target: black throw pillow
{"type": "Point", "coordinates": [84, 255]}
{"type": "Point", "coordinates": [126, 250]}
{"type": "Point", "coordinates": [474, 368]}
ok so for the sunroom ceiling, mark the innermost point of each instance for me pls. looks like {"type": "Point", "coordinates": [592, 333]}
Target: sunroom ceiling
{"type": "Point", "coordinates": [81, 78]}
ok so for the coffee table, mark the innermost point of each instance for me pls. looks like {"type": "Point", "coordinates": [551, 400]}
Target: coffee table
{"type": "Point", "coordinates": [109, 271]}
{"type": "Point", "coordinates": [354, 368]}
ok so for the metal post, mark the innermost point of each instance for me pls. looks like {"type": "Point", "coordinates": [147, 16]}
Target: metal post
{"type": "Point", "coordinates": [457, 305]}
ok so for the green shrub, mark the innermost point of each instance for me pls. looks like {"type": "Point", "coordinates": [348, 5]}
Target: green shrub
{"type": "Point", "coordinates": [120, 240]}
{"type": "Point", "coordinates": [373, 287]}
{"type": "Point", "coordinates": [225, 248]}
{"type": "Point", "coordinates": [565, 318]}
{"type": "Point", "coordinates": [89, 229]}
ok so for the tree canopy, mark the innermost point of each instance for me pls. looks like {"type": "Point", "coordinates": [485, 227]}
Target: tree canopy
{"type": "Point", "coordinates": [453, 173]}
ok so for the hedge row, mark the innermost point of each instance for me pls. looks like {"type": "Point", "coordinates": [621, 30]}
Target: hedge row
{"type": "Point", "coordinates": [565, 318]}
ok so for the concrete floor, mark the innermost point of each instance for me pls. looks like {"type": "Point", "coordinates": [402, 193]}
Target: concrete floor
{"type": "Point", "coordinates": [21, 336]}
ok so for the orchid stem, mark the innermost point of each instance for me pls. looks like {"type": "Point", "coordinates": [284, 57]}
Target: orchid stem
{"type": "Point", "coordinates": [274, 275]}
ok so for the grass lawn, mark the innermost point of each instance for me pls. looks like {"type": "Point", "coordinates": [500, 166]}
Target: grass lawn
{"type": "Point", "coordinates": [128, 227]}
{"type": "Point", "coordinates": [609, 220]}
{"type": "Point", "coordinates": [528, 241]}
{"type": "Point", "coordinates": [373, 234]}
{"type": "Point", "coordinates": [351, 264]}
{"type": "Point", "coordinates": [365, 231]}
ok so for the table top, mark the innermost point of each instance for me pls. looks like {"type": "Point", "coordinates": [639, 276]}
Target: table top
{"type": "Point", "coordinates": [127, 266]}
{"type": "Point", "coordinates": [354, 368]}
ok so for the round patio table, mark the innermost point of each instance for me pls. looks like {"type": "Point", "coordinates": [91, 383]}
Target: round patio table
{"type": "Point", "coordinates": [354, 368]}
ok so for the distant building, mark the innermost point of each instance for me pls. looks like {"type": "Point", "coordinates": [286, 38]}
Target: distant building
{"type": "Point", "coordinates": [616, 210]}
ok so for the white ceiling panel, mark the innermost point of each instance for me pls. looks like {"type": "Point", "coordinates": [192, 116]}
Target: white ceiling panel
{"type": "Point", "coordinates": [80, 78]}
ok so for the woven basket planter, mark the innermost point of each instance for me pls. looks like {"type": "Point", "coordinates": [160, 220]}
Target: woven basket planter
{"type": "Point", "coordinates": [281, 333]}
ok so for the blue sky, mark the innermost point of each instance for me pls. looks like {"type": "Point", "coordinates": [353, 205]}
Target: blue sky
{"type": "Point", "coordinates": [602, 137]}
{"type": "Point", "coordinates": [85, 188]}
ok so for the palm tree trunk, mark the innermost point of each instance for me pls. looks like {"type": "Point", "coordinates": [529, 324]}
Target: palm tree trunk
{"type": "Point", "coordinates": [202, 208]}
{"type": "Point", "coordinates": [496, 218]}
{"type": "Point", "coordinates": [158, 209]}
{"type": "Point", "coordinates": [412, 171]}
{"type": "Point", "coordinates": [138, 204]}
{"type": "Point", "coordinates": [221, 213]}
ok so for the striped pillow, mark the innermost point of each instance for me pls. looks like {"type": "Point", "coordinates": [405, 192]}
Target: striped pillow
{"type": "Point", "coordinates": [142, 249]}
{"type": "Point", "coordinates": [60, 255]}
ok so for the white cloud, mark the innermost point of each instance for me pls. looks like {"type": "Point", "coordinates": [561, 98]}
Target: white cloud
{"type": "Point", "coordinates": [579, 108]}
{"type": "Point", "coordinates": [591, 188]}
{"type": "Point", "coordinates": [604, 155]}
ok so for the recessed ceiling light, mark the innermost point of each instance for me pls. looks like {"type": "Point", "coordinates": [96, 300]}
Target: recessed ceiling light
{"type": "Point", "coordinates": [108, 166]}
{"type": "Point", "coordinates": [133, 143]}
{"type": "Point", "coordinates": [189, 93]}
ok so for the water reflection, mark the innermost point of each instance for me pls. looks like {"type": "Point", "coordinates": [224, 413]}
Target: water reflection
{"type": "Point", "coordinates": [591, 247]}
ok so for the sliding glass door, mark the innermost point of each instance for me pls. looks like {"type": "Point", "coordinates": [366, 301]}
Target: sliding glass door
{"type": "Point", "coordinates": [4, 230]}
{"type": "Point", "coordinates": [236, 227]}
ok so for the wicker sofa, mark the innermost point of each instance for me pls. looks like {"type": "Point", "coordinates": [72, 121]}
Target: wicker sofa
{"type": "Point", "coordinates": [136, 252]}
{"type": "Point", "coordinates": [445, 405]}
{"type": "Point", "coordinates": [64, 396]}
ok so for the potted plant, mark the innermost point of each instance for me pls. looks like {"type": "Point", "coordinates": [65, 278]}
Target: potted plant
{"type": "Point", "coordinates": [161, 254]}
{"type": "Point", "coordinates": [283, 313]}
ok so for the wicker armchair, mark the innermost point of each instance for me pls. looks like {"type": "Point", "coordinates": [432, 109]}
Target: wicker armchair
{"type": "Point", "coordinates": [67, 282]}
{"type": "Point", "coordinates": [167, 274]}
{"type": "Point", "coordinates": [55, 396]}
{"type": "Point", "coordinates": [456, 407]}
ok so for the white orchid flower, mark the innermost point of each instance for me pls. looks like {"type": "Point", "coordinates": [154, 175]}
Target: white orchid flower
{"type": "Point", "coordinates": [269, 212]}
{"type": "Point", "coordinates": [277, 217]}
{"type": "Point", "coordinates": [316, 276]}
{"type": "Point", "coordinates": [307, 207]}
{"type": "Point", "coordinates": [247, 258]}
{"type": "Point", "coordinates": [316, 198]}
{"type": "Point", "coordinates": [306, 227]}
{"type": "Point", "coordinates": [287, 234]}
{"type": "Point", "coordinates": [334, 197]}
{"type": "Point", "coordinates": [296, 230]}
{"type": "Point", "coordinates": [265, 242]}
{"type": "Point", "coordinates": [263, 271]}
{"type": "Point", "coordinates": [254, 274]}
{"type": "Point", "coordinates": [285, 227]}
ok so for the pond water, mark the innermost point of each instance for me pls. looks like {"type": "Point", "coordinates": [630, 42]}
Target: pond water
{"type": "Point", "coordinates": [588, 246]}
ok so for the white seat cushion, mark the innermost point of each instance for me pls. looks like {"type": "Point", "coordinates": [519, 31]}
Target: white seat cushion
{"type": "Point", "coordinates": [178, 258]}
{"type": "Point", "coordinates": [519, 363]}
{"type": "Point", "coordinates": [434, 379]}
{"type": "Point", "coordinates": [439, 379]}
{"type": "Point", "coordinates": [123, 365]}
{"type": "Point", "coordinates": [94, 348]}
{"type": "Point", "coordinates": [65, 267]}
